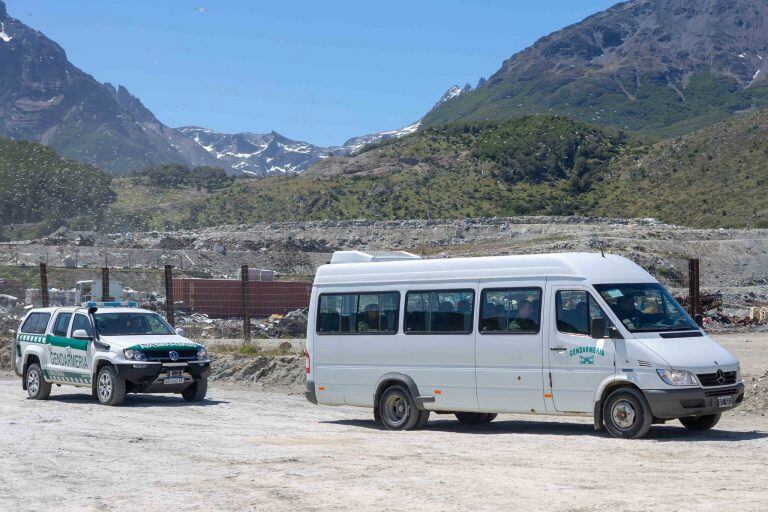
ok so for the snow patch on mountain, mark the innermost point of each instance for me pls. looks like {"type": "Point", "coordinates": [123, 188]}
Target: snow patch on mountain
{"type": "Point", "coordinates": [3, 35]}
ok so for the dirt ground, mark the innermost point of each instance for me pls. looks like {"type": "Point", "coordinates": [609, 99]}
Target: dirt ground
{"type": "Point", "coordinates": [247, 449]}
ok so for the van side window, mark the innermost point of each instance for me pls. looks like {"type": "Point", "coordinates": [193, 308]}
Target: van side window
{"type": "Point", "coordinates": [62, 323]}
{"type": "Point", "coordinates": [36, 323]}
{"type": "Point", "coordinates": [513, 311]}
{"type": "Point", "coordinates": [575, 311]}
{"type": "Point", "coordinates": [351, 313]}
{"type": "Point", "coordinates": [82, 322]}
{"type": "Point", "coordinates": [439, 311]}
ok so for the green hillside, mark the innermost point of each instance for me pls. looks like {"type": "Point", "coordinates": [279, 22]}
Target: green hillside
{"type": "Point", "coordinates": [533, 165]}
{"type": "Point", "coordinates": [38, 186]}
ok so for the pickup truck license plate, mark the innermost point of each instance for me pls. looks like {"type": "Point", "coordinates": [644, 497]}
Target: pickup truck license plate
{"type": "Point", "coordinates": [174, 377]}
{"type": "Point", "coordinates": [724, 401]}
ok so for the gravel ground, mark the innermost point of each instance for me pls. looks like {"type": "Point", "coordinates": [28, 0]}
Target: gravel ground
{"type": "Point", "coordinates": [247, 449]}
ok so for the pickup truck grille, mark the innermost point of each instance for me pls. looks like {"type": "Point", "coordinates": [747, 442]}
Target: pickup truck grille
{"type": "Point", "coordinates": [163, 355]}
{"type": "Point", "coordinates": [710, 379]}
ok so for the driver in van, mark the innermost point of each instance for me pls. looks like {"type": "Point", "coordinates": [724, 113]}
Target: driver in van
{"type": "Point", "coordinates": [628, 313]}
{"type": "Point", "coordinates": [370, 321]}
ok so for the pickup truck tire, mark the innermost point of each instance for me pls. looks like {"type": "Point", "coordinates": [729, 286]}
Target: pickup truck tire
{"type": "Point", "coordinates": [626, 414]}
{"type": "Point", "coordinates": [110, 388]}
{"type": "Point", "coordinates": [37, 388]}
{"type": "Point", "coordinates": [472, 418]}
{"type": "Point", "coordinates": [196, 392]}
{"type": "Point", "coordinates": [699, 423]}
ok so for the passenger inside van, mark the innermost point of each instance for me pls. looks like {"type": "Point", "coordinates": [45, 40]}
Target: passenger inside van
{"type": "Point", "coordinates": [369, 322]}
{"type": "Point", "coordinates": [525, 319]}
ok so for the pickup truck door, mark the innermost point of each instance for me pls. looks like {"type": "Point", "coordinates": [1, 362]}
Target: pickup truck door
{"type": "Point", "coordinates": [68, 357]}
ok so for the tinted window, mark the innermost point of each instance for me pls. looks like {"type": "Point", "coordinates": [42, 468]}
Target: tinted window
{"type": "Point", "coordinates": [62, 323]}
{"type": "Point", "coordinates": [82, 322]}
{"type": "Point", "coordinates": [439, 311]}
{"type": "Point", "coordinates": [358, 313]}
{"type": "Point", "coordinates": [36, 323]}
{"type": "Point", "coordinates": [126, 324]}
{"type": "Point", "coordinates": [514, 310]}
{"type": "Point", "coordinates": [575, 311]}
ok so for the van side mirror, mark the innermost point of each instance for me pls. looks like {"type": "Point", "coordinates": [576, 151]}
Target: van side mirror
{"type": "Point", "coordinates": [80, 334]}
{"type": "Point", "coordinates": [597, 328]}
{"type": "Point", "coordinates": [180, 331]}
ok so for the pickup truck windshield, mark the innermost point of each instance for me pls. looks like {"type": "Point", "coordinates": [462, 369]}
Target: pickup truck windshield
{"type": "Point", "coordinates": [126, 324]}
{"type": "Point", "coordinates": [646, 307]}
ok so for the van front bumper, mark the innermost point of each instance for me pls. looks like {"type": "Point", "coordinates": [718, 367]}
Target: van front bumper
{"type": "Point", "coordinates": [680, 403]}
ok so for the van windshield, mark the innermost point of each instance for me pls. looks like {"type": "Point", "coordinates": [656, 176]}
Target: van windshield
{"type": "Point", "coordinates": [646, 307]}
{"type": "Point", "coordinates": [126, 324]}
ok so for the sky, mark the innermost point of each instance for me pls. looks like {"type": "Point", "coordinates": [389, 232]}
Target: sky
{"type": "Point", "coordinates": [318, 71]}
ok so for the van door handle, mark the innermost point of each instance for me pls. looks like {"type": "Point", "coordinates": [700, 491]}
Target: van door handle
{"type": "Point", "coordinates": [558, 349]}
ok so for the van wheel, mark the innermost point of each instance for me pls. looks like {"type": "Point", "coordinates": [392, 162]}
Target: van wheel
{"type": "Point", "coordinates": [700, 422]}
{"type": "Point", "coordinates": [110, 388]}
{"type": "Point", "coordinates": [626, 414]}
{"type": "Point", "coordinates": [37, 388]}
{"type": "Point", "coordinates": [196, 392]}
{"type": "Point", "coordinates": [472, 418]}
{"type": "Point", "coordinates": [490, 418]}
{"type": "Point", "coordinates": [398, 410]}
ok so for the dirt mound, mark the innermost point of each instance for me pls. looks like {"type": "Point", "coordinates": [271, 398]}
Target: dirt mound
{"type": "Point", "coordinates": [268, 372]}
{"type": "Point", "coordinates": [755, 395]}
{"type": "Point", "coordinates": [5, 355]}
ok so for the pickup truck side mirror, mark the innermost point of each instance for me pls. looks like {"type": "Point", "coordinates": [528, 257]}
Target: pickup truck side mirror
{"type": "Point", "coordinates": [699, 319]}
{"type": "Point", "coordinates": [597, 328]}
{"type": "Point", "coordinates": [180, 331]}
{"type": "Point", "coordinates": [80, 334]}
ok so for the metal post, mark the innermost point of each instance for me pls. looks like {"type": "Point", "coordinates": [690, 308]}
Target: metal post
{"type": "Point", "coordinates": [44, 285]}
{"type": "Point", "coordinates": [694, 302]}
{"type": "Point", "coordinates": [105, 285]}
{"type": "Point", "coordinates": [169, 313]}
{"type": "Point", "coordinates": [245, 285]}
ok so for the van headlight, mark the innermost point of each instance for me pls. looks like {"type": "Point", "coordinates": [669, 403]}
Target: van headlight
{"type": "Point", "coordinates": [134, 355]}
{"type": "Point", "coordinates": [202, 353]}
{"type": "Point", "coordinates": [678, 377]}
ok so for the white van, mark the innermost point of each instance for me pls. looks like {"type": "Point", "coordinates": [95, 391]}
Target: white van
{"type": "Point", "coordinates": [560, 334]}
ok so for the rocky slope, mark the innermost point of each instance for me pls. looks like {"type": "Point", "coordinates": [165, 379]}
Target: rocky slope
{"type": "Point", "coordinates": [658, 66]}
{"type": "Point", "coordinates": [44, 98]}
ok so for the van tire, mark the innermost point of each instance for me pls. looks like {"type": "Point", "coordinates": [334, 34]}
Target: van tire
{"type": "Point", "coordinates": [423, 419]}
{"type": "Point", "coordinates": [397, 409]}
{"type": "Point", "coordinates": [626, 414]}
{"type": "Point", "coordinates": [472, 418]}
{"type": "Point", "coordinates": [699, 423]}
{"type": "Point", "coordinates": [490, 418]}
{"type": "Point", "coordinates": [37, 388]}
{"type": "Point", "coordinates": [196, 392]}
{"type": "Point", "coordinates": [110, 388]}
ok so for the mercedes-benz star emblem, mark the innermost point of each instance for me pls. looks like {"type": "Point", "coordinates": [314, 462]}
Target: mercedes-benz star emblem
{"type": "Point", "coordinates": [175, 356]}
{"type": "Point", "coordinates": [720, 376]}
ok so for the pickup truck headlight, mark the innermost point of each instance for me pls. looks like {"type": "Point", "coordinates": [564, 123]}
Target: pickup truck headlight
{"type": "Point", "coordinates": [134, 355]}
{"type": "Point", "coordinates": [678, 377]}
{"type": "Point", "coordinates": [201, 353]}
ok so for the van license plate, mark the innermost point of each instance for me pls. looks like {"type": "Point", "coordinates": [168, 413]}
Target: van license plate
{"type": "Point", "coordinates": [174, 380]}
{"type": "Point", "coordinates": [724, 401]}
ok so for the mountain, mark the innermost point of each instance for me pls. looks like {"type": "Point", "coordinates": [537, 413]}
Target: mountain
{"type": "Point", "coordinates": [46, 99]}
{"type": "Point", "coordinates": [661, 67]}
{"type": "Point", "coordinates": [257, 154]}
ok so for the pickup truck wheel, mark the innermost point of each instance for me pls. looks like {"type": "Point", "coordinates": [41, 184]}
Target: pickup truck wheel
{"type": "Point", "coordinates": [397, 409]}
{"type": "Point", "coordinates": [700, 422]}
{"type": "Point", "coordinates": [626, 414]}
{"type": "Point", "coordinates": [110, 388]}
{"type": "Point", "coordinates": [37, 388]}
{"type": "Point", "coordinates": [471, 418]}
{"type": "Point", "coordinates": [196, 392]}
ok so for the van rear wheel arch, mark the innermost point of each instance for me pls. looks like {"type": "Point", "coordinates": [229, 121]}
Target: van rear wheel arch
{"type": "Point", "coordinates": [393, 379]}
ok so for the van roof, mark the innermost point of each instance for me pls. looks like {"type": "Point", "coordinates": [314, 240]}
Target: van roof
{"type": "Point", "coordinates": [592, 267]}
